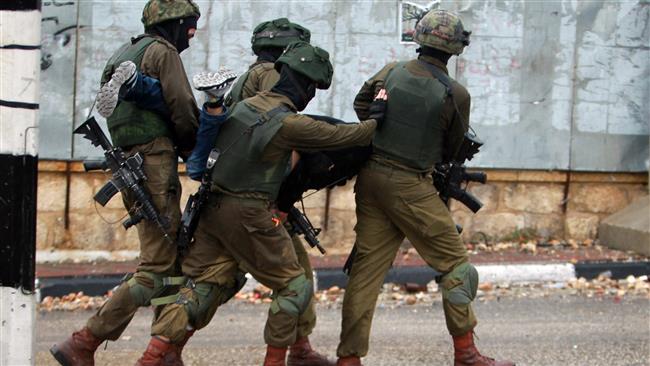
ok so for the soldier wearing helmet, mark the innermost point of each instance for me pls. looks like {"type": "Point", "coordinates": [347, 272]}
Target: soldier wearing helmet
{"type": "Point", "coordinates": [169, 25]}
{"type": "Point", "coordinates": [268, 42]}
{"type": "Point", "coordinates": [237, 231]}
{"type": "Point", "coordinates": [426, 118]}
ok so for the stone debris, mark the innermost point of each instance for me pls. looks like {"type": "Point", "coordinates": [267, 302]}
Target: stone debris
{"type": "Point", "coordinates": [394, 295]}
{"type": "Point", "coordinates": [72, 301]}
{"type": "Point", "coordinates": [546, 248]}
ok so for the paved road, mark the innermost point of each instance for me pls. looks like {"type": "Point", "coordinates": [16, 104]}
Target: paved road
{"type": "Point", "coordinates": [557, 330]}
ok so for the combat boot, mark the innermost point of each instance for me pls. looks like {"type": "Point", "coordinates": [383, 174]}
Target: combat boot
{"type": "Point", "coordinates": [78, 350]}
{"type": "Point", "coordinates": [349, 361]}
{"type": "Point", "coordinates": [301, 354]}
{"type": "Point", "coordinates": [466, 354]}
{"type": "Point", "coordinates": [160, 353]}
{"type": "Point", "coordinates": [275, 356]}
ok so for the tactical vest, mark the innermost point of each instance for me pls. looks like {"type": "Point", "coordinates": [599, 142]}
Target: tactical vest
{"type": "Point", "coordinates": [411, 133]}
{"type": "Point", "coordinates": [242, 140]}
{"type": "Point", "coordinates": [236, 93]}
{"type": "Point", "coordinates": [130, 125]}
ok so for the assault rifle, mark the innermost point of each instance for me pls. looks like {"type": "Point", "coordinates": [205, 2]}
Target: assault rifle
{"type": "Point", "coordinates": [301, 225]}
{"type": "Point", "coordinates": [190, 217]}
{"type": "Point", "coordinates": [127, 176]}
{"type": "Point", "coordinates": [448, 177]}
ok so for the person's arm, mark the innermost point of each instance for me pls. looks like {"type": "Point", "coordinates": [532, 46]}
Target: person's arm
{"type": "Point", "coordinates": [210, 122]}
{"type": "Point", "coordinates": [147, 94]}
{"type": "Point", "coordinates": [299, 132]}
{"type": "Point", "coordinates": [457, 121]}
{"type": "Point", "coordinates": [161, 61]}
{"type": "Point", "coordinates": [368, 91]}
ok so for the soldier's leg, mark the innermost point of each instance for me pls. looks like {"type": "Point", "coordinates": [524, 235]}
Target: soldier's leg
{"type": "Point", "coordinates": [307, 320]}
{"type": "Point", "coordinates": [377, 243]}
{"type": "Point", "coordinates": [211, 279]}
{"type": "Point", "coordinates": [157, 258]}
{"type": "Point", "coordinates": [425, 220]}
{"type": "Point", "coordinates": [265, 250]}
{"type": "Point", "coordinates": [301, 352]}
{"type": "Point", "coordinates": [157, 254]}
{"type": "Point", "coordinates": [428, 225]}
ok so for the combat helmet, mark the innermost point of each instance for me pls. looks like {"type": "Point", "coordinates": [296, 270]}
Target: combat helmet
{"type": "Point", "coordinates": [278, 33]}
{"type": "Point", "coordinates": [442, 30]}
{"type": "Point", "coordinates": [310, 61]}
{"type": "Point", "coordinates": [158, 11]}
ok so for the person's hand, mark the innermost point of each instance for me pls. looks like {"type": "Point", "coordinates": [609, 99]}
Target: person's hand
{"type": "Point", "coordinates": [214, 85]}
{"type": "Point", "coordinates": [377, 110]}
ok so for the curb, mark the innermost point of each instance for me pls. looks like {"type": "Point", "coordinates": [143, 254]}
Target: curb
{"type": "Point", "coordinates": [96, 285]}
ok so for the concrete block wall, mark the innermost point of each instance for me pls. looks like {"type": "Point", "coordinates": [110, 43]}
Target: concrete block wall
{"type": "Point", "coordinates": [554, 204]}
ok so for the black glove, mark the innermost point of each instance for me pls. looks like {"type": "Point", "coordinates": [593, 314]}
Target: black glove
{"type": "Point", "coordinates": [377, 111]}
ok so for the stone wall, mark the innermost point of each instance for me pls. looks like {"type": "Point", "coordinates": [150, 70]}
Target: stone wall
{"type": "Point", "coordinates": [548, 204]}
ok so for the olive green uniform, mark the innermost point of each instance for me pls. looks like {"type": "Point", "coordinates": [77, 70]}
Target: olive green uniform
{"type": "Point", "coordinates": [395, 199]}
{"type": "Point", "coordinates": [147, 134]}
{"type": "Point", "coordinates": [236, 230]}
{"type": "Point", "coordinates": [262, 76]}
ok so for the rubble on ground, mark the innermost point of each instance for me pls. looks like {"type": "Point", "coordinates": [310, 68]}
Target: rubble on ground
{"type": "Point", "coordinates": [538, 247]}
{"type": "Point", "coordinates": [72, 301]}
{"type": "Point", "coordinates": [394, 295]}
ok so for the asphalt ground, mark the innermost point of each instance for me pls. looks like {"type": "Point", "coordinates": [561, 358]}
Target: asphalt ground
{"type": "Point", "coordinates": [558, 329]}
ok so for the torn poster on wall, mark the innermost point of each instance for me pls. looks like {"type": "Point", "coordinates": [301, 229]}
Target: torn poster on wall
{"type": "Point", "coordinates": [409, 13]}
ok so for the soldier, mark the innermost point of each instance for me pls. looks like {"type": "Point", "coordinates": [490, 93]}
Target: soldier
{"type": "Point", "coordinates": [268, 42]}
{"type": "Point", "coordinates": [237, 230]}
{"type": "Point", "coordinates": [426, 118]}
{"type": "Point", "coordinates": [169, 25]}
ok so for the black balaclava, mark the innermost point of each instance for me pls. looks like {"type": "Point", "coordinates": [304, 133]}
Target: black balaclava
{"type": "Point", "coordinates": [441, 56]}
{"type": "Point", "coordinates": [175, 31]}
{"type": "Point", "coordinates": [269, 54]}
{"type": "Point", "coordinates": [297, 87]}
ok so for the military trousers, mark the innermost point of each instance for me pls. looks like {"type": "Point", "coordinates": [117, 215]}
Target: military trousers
{"type": "Point", "coordinates": [157, 254]}
{"type": "Point", "coordinates": [307, 320]}
{"type": "Point", "coordinates": [392, 204]}
{"type": "Point", "coordinates": [236, 234]}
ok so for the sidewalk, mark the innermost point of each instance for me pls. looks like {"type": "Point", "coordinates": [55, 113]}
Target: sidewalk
{"type": "Point", "coordinates": [511, 265]}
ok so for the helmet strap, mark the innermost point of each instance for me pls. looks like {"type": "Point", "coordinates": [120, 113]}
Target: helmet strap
{"type": "Point", "coordinates": [439, 55]}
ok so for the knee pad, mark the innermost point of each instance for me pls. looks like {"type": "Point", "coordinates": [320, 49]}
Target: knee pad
{"type": "Point", "coordinates": [143, 286]}
{"type": "Point", "coordinates": [202, 301]}
{"type": "Point", "coordinates": [459, 286]}
{"type": "Point", "coordinates": [294, 298]}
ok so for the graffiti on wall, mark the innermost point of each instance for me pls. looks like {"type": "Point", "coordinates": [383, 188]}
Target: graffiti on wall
{"type": "Point", "coordinates": [57, 30]}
